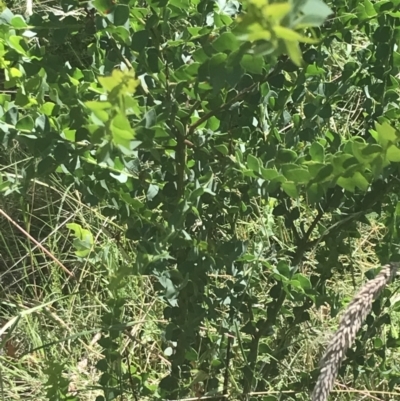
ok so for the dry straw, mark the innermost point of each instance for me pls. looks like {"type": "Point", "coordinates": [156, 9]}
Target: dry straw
{"type": "Point", "coordinates": [351, 322]}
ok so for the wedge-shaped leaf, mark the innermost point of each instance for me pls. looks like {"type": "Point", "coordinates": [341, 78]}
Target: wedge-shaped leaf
{"type": "Point", "coordinates": [18, 22]}
{"type": "Point", "coordinates": [314, 193]}
{"type": "Point", "coordinates": [286, 155]}
{"type": "Point", "coordinates": [103, 6]}
{"type": "Point", "coordinates": [196, 194]}
{"type": "Point", "coordinates": [294, 52]}
{"type": "Point", "coordinates": [25, 123]}
{"type": "Point", "coordinates": [365, 153]}
{"type": "Point", "coordinates": [253, 163]}
{"type": "Point", "coordinates": [316, 8]}
{"type": "Point", "coordinates": [372, 150]}
{"type": "Point", "coordinates": [314, 168]}
{"type": "Point", "coordinates": [317, 152]}
{"type": "Point", "coordinates": [256, 32]}
{"type": "Point", "coordinates": [275, 183]}
{"type": "Point", "coordinates": [122, 132]}
{"type": "Point", "coordinates": [121, 14]}
{"type": "Point", "coordinates": [291, 189]}
{"type": "Point", "coordinates": [346, 183]}
{"type": "Point", "coordinates": [299, 176]}
{"type": "Point", "coordinates": [287, 167]}
{"type": "Point", "coordinates": [226, 41]}
{"type": "Point", "coordinates": [253, 64]}
{"type": "Point", "coordinates": [304, 281]}
{"type": "Point", "coordinates": [369, 8]}
{"type": "Point", "coordinates": [83, 241]}
{"type": "Point", "coordinates": [276, 11]}
{"type": "Point", "coordinates": [343, 161]}
{"type": "Point", "coordinates": [393, 154]}
{"type": "Point", "coordinates": [249, 173]}
{"type": "Point", "coordinates": [121, 82]}
{"type": "Point", "coordinates": [152, 191]}
{"type": "Point", "coordinates": [357, 148]}
{"type": "Point", "coordinates": [360, 181]}
{"type": "Point", "coordinates": [378, 165]}
{"type": "Point", "coordinates": [18, 44]}
{"type": "Point", "coordinates": [222, 149]}
{"type": "Point", "coordinates": [122, 178]}
{"type": "Point", "coordinates": [296, 174]}
{"type": "Point", "coordinates": [291, 35]}
{"type": "Point", "coordinates": [324, 174]}
{"type": "Point", "coordinates": [356, 180]}
{"type": "Point", "coordinates": [386, 134]}
{"type": "Point", "coordinates": [307, 21]}
{"type": "Point", "coordinates": [269, 173]}
{"type": "Point", "coordinates": [94, 105]}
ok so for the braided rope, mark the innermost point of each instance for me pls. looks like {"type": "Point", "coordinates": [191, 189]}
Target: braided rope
{"type": "Point", "coordinates": [351, 322]}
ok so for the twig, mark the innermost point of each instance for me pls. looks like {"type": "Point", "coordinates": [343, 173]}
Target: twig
{"type": "Point", "coordinates": [36, 243]}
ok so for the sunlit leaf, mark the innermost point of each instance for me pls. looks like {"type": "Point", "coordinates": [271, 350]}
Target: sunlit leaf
{"type": "Point", "coordinates": [124, 82]}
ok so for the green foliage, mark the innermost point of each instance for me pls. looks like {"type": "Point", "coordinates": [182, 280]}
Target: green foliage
{"type": "Point", "coordinates": [187, 120]}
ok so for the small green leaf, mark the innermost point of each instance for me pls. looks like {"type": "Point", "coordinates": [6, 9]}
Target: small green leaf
{"type": "Point", "coordinates": [360, 181]}
{"type": "Point", "coordinates": [95, 105]}
{"type": "Point", "coordinates": [121, 14]}
{"type": "Point", "coordinates": [316, 8]}
{"type": "Point", "coordinates": [277, 11]}
{"type": "Point", "coordinates": [104, 6]}
{"type": "Point", "coordinates": [385, 134]}
{"type": "Point", "coordinates": [294, 52]}
{"type": "Point", "coordinates": [305, 282]}
{"type": "Point", "coordinates": [152, 191]}
{"type": "Point", "coordinates": [286, 155]}
{"type": "Point", "coordinates": [123, 82]}
{"type": "Point", "coordinates": [213, 123]}
{"type": "Point", "coordinates": [25, 123]}
{"type": "Point", "coordinates": [18, 44]}
{"type": "Point", "coordinates": [369, 9]}
{"type": "Point", "coordinates": [298, 175]}
{"type": "Point", "coordinates": [253, 64]}
{"type": "Point", "coordinates": [69, 134]}
{"type": "Point", "coordinates": [269, 173]}
{"type": "Point", "coordinates": [291, 189]}
{"type": "Point", "coordinates": [18, 22]}
{"type": "Point", "coordinates": [290, 35]}
{"type": "Point", "coordinates": [122, 178]}
{"type": "Point", "coordinates": [191, 354]}
{"type": "Point", "coordinates": [310, 110]}
{"type": "Point", "coordinates": [324, 174]}
{"type": "Point", "coordinates": [196, 194]}
{"type": "Point", "coordinates": [314, 193]}
{"type": "Point", "coordinates": [83, 239]}
{"type": "Point", "coordinates": [357, 149]}
{"type": "Point", "coordinates": [226, 41]}
{"type": "Point", "coordinates": [222, 149]}
{"type": "Point", "coordinates": [46, 166]}
{"type": "Point", "coordinates": [372, 150]}
{"type": "Point", "coordinates": [139, 40]}
{"type": "Point", "coordinates": [253, 163]}
{"type": "Point", "coordinates": [47, 108]}
{"type": "Point", "coordinates": [122, 132]}
{"type": "Point", "coordinates": [317, 152]}
{"type": "Point", "coordinates": [343, 161]}
{"type": "Point", "coordinates": [393, 154]}
{"type": "Point", "coordinates": [347, 183]}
